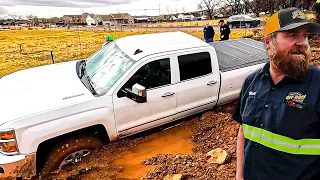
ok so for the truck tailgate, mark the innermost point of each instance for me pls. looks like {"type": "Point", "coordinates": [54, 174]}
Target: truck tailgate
{"type": "Point", "coordinates": [235, 54]}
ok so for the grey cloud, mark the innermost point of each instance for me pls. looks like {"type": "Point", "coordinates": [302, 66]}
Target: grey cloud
{"type": "Point", "coordinates": [65, 3]}
{"type": "Point", "coordinates": [3, 11]}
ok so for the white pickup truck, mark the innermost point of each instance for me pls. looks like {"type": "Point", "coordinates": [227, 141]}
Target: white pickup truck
{"type": "Point", "coordinates": [56, 114]}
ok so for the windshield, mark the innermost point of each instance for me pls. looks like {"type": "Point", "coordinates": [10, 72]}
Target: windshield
{"type": "Point", "coordinates": [107, 66]}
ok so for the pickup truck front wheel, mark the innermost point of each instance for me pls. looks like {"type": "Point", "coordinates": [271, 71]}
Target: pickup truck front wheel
{"type": "Point", "coordinates": [70, 151]}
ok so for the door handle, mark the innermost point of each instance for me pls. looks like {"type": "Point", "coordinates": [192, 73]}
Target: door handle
{"type": "Point", "coordinates": [168, 94]}
{"type": "Point", "coordinates": [211, 83]}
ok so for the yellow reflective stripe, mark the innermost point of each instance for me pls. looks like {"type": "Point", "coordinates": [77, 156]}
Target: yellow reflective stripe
{"type": "Point", "coordinates": [281, 143]}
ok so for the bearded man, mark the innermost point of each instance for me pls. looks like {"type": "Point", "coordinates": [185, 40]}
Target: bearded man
{"type": "Point", "coordinates": [279, 106]}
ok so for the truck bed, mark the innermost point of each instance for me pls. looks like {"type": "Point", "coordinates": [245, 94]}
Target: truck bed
{"type": "Point", "coordinates": [235, 54]}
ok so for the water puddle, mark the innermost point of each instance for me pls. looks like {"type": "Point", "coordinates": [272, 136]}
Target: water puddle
{"type": "Point", "coordinates": [171, 141]}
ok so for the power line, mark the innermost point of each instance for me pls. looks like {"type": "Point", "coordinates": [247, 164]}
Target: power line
{"type": "Point", "coordinates": [145, 11]}
{"type": "Point", "coordinates": [142, 9]}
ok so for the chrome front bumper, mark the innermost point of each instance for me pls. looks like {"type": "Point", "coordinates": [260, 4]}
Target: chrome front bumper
{"type": "Point", "coordinates": [17, 166]}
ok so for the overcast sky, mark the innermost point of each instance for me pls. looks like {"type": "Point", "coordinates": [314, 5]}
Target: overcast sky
{"type": "Point", "coordinates": [58, 8]}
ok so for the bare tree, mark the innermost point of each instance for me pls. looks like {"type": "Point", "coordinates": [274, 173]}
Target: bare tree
{"type": "Point", "coordinates": [168, 10]}
{"type": "Point", "coordinates": [247, 5]}
{"type": "Point", "coordinates": [232, 7]}
{"type": "Point", "coordinates": [16, 16]}
{"type": "Point", "coordinates": [282, 4]}
{"type": "Point", "coordinates": [309, 5]}
{"type": "Point", "coordinates": [270, 5]}
{"type": "Point", "coordinates": [183, 9]}
{"type": "Point", "coordinates": [256, 6]}
{"type": "Point", "coordinates": [209, 6]}
{"type": "Point", "coordinates": [236, 6]}
{"type": "Point", "coordinates": [294, 3]}
{"type": "Point", "coordinates": [32, 18]}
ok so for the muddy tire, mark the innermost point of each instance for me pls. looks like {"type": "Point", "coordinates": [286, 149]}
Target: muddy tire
{"type": "Point", "coordinates": [79, 145]}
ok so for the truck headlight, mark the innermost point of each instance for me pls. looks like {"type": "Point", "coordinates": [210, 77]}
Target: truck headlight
{"type": "Point", "coordinates": [7, 135]}
{"type": "Point", "coordinates": [8, 143]}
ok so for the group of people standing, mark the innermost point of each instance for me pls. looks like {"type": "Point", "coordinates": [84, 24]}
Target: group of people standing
{"type": "Point", "coordinates": [208, 32]}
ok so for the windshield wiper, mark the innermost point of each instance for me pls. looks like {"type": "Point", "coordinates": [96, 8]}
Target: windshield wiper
{"type": "Point", "coordinates": [83, 73]}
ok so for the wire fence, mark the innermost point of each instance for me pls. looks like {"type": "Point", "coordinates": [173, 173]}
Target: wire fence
{"type": "Point", "coordinates": [30, 48]}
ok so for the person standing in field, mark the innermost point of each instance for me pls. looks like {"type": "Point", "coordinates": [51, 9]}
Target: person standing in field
{"type": "Point", "coordinates": [279, 106]}
{"type": "Point", "coordinates": [224, 30]}
{"type": "Point", "coordinates": [208, 33]}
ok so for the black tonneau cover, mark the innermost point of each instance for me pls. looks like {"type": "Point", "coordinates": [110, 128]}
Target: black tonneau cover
{"type": "Point", "coordinates": [235, 54]}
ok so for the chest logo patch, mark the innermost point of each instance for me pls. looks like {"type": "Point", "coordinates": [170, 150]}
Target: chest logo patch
{"type": "Point", "coordinates": [295, 99]}
{"type": "Point", "coordinates": [252, 93]}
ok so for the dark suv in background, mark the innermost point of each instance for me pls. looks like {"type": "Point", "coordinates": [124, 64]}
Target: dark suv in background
{"type": "Point", "coordinates": [238, 21]}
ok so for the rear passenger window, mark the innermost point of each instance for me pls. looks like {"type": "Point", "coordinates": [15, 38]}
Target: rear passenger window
{"type": "Point", "coordinates": [194, 65]}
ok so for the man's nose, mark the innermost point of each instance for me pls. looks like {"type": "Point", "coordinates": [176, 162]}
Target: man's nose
{"type": "Point", "coordinates": [302, 40]}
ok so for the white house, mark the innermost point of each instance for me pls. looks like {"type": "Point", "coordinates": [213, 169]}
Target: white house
{"type": "Point", "coordinates": [104, 20]}
{"type": "Point", "coordinates": [187, 16]}
{"type": "Point", "coordinates": [90, 20]}
{"type": "Point", "coordinates": [173, 18]}
{"type": "Point", "coordinates": [203, 17]}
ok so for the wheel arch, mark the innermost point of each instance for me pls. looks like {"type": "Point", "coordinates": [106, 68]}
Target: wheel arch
{"type": "Point", "coordinates": [42, 151]}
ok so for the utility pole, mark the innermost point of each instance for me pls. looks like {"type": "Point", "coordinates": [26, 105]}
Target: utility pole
{"type": "Point", "coordinates": [159, 13]}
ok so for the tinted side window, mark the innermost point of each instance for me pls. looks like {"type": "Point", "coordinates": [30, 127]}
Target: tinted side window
{"type": "Point", "coordinates": [152, 75]}
{"type": "Point", "coordinates": [194, 65]}
{"type": "Point", "coordinates": [158, 73]}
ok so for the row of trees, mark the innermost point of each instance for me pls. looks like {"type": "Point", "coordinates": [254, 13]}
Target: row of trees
{"type": "Point", "coordinates": [232, 7]}
{"type": "Point", "coordinates": [33, 19]}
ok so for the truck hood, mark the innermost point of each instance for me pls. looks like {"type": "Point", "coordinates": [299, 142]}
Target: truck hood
{"type": "Point", "coordinates": [28, 92]}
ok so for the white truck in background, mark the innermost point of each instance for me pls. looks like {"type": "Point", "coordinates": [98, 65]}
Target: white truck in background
{"type": "Point", "coordinates": [56, 114]}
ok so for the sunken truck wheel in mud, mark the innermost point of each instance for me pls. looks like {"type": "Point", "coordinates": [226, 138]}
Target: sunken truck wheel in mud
{"type": "Point", "coordinates": [70, 150]}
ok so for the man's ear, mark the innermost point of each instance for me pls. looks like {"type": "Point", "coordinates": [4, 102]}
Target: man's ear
{"type": "Point", "coordinates": [267, 42]}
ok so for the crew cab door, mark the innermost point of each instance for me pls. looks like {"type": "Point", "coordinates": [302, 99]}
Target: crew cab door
{"type": "Point", "coordinates": [199, 81]}
{"type": "Point", "coordinates": [161, 95]}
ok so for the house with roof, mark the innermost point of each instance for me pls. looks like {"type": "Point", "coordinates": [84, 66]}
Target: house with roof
{"type": "Point", "coordinates": [73, 19]}
{"type": "Point", "coordinates": [172, 18]}
{"type": "Point", "coordinates": [122, 18]}
{"type": "Point", "coordinates": [103, 19]}
{"type": "Point", "coordinates": [186, 17]}
{"type": "Point", "coordinates": [22, 22]}
{"type": "Point", "coordinates": [77, 19]}
{"type": "Point", "coordinates": [90, 20]}
{"type": "Point", "coordinates": [6, 22]}
{"type": "Point", "coordinates": [144, 19]}
{"type": "Point", "coordinates": [94, 19]}
{"type": "Point", "coordinates": [114, 19]}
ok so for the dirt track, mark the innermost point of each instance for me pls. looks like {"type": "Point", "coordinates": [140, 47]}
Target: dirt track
{"type": "Point", "coordinates": [177, 150]}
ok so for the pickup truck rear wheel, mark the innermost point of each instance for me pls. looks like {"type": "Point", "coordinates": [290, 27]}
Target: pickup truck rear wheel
{"type": "Point", "coordinates": [70, 150]}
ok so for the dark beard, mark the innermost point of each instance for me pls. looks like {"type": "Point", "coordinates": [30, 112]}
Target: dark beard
{"type": "Point", "coordinates": [289, 64]}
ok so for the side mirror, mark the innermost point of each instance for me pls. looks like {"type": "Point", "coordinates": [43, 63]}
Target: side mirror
{"type": "Point", "coordinates": [138, 93]}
